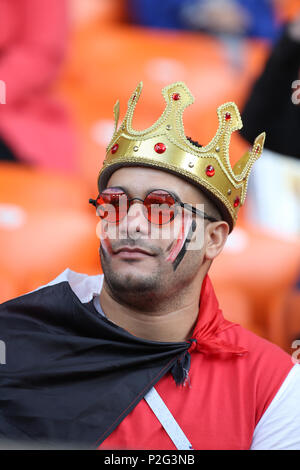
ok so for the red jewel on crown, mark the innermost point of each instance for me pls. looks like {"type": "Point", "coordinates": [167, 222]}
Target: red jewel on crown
{"type": "Point", "coordinates": [210, 171]}
{"type": "Point", "coordinates": [227, 117]}
{"type": "Point", "coordinates": [257, 149]}
{"type": "Point", "coordinates": [236, 202]}
{"type": "Point", "coordinates": [160, 147]}
{"type": "Point", "coordinates": [114, 148]}
{"type": "Point", "coordinates": [176, 96]}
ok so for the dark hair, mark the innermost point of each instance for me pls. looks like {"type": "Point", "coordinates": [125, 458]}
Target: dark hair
{"type": "Point", "coordinates": [194, 142]}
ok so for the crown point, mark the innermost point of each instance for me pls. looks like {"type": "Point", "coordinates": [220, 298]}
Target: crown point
{"type": "Point", "coordinates": [227, 116]}
{"type": "Point", "coordinates": [160, 147]}
{"type": "Point", "coordinates": [176, 96]}
{"type": "Point", "coordinates": [257, 149]}
{"type": "Point", "coordinates": [236, 202]}
{"type": "Point", "coordinates": [114, 148]}
{"type": "Point", "coordinates": [210, 171]}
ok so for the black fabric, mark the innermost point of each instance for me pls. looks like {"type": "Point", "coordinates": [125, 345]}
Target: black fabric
{"type": "Point", "coordinates": [71, 376]}
{"type": "Point", "coordinates": [6, 154]}
{"type": "Point", "coordinates": [269, 107]}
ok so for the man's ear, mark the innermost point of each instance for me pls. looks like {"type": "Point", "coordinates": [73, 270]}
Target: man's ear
{"type": "Point", "coordinates": [216, 234]}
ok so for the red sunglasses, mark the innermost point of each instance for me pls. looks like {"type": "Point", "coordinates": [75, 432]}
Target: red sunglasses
{"type": "Point", "coordinates": [160, 206]}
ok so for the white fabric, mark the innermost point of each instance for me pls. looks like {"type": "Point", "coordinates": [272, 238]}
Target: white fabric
{"type": "Point", "coordinates": [273, 194]}
{"type": "Point", "coordinates": [167, 420]}
{"type": "Point", "coordinates": [97, 305]}
{"type": "Point", "coordinates": [279, 427]}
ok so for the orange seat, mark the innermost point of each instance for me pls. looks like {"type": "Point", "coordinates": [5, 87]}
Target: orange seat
{"type": "Point", "coordinates": [38, 245]}
{"type": "Point", "coordinates": [259, 266]}
{"type": "Point", "coordinates": [46, 225]}
{"type": "Point", "coordinates": [287, 9]}
{"type": "Point", "coordinates": [33, 188]}
{"type": "Point", "coordinates": [236, 307]}
{"type": "Point", "coordinates": [284, 319]}
{"type": "Point", "coordinates": [8, 287]}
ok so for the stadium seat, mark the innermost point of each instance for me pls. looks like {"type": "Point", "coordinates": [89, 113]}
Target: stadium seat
{"type": "Point", "coordinates": [38, 244]}
{"type": "Point", "coordinates": [46, 225]}
{"type": "Point", "coordinates": [284, 319]}
{"type": "Point", "coordinates": [259, 266]}
{"type": "Point", "coordinates": [33, 188]}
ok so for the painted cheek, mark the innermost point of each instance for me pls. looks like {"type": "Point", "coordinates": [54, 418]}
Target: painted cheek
{"type": "Point", "coordinates": [105, 242]}
{"type": "Point", "coordinates": [179, 242]}
{"type": "Point", "coordinates": [104, 239]}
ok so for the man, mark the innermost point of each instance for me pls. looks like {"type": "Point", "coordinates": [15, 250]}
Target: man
{"type": "Point", "coordinates": [141, 357]}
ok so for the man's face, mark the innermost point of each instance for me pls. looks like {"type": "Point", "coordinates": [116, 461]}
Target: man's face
{"type": "Point", "coordinates": [153, 275]}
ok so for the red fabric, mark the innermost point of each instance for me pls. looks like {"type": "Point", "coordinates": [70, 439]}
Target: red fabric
{"type": "Point", "coordinates": [33, 39]}
{"type": "Point", "coordinates": [233, 378]}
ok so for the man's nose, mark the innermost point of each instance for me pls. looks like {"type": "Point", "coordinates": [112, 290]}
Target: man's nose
{"type": "Point", "coordinates": [136, 212]}
{"type": "Point", "coordinates": [135, 221]}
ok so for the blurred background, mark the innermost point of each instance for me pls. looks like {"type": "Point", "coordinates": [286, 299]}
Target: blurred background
{"type": "Point", "coordinates": [63, 65]}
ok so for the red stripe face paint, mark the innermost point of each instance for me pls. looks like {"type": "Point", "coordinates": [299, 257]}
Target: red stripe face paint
{"type": "Point", "coordinates": [178, 244]}
{"type": "Point", "coordinates": [104, 238]}
{"type": "Point", "coordinates": [105, 242]}
{"type": "Point", "coordinates": [179, 248]}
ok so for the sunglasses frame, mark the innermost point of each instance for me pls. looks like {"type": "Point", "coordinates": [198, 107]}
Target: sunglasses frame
{"type": "Point", "coordinates": [178, 202]}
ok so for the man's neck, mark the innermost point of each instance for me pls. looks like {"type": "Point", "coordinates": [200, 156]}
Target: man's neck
{"type": "Point", "coordinates": [173, 323]}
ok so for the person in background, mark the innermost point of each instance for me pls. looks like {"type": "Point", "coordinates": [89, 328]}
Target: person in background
{"type": "Point", "coordinates": [273, 102]}
{"type": "Point", "coordinates": [35, 127]}
{"type": "Point", "coordinates": [274, 190]}
{"type": "Point", "coordinates": [273, 105]}
{"type": "Point", "coordinates": [246, 18]}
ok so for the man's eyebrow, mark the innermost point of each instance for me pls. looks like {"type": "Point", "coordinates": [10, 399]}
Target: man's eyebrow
{"type": "Point", "coordinates": [169, 191]}
{"type": "Point", "coordinates": [117, 187]}
{"type": "Point", "coordinates": [126, 190]}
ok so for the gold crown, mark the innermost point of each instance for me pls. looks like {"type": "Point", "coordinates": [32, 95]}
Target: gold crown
{"type": "Point", "coordinates": [165, 146]}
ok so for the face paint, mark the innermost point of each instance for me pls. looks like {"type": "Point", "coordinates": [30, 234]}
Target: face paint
{"type": "Point", "coordinates": [104, 241]}
{"type": "Point", "coordinates": [180, 247]}
{"type": "Point", "coordinates": [178, 250]}
{"type": "Point", "coordinates": [106, 245]}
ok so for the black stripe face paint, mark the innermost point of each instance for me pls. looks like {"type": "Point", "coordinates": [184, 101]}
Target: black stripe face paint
{"type": "Point", "coordinates": [179, 250]}
{"type": "Point", "coordinates": [183, 250]}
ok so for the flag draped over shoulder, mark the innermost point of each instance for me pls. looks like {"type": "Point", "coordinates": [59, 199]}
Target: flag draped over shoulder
{"type": "Point", "coordinates": [71, 376]}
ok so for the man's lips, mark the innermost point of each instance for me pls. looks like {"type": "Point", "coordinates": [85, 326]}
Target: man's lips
{"type": "Point", "coordinates": [132, 252]}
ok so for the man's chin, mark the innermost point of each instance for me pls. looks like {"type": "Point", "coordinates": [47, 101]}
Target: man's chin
{"type": "Point", "coordinates": [130, 281]}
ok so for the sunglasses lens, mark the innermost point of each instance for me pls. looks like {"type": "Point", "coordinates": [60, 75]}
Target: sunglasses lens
{"type": "Point", "coordinates": [112, 205]}
{"type": "Point", "coordinates": [160, 207]}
